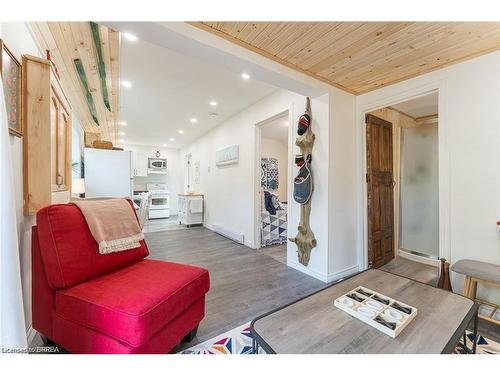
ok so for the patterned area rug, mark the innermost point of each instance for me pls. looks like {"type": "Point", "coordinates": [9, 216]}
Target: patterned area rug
{"type": "Point", "coordinates": [483, 346]}
{"type": "Point", "coordinates": [235, 341]}
{"type": "Point", "coordinates": [239, 341]}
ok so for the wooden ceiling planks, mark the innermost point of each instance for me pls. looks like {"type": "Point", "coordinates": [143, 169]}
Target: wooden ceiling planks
{"type": "Point", "coordinates": [68, 41]}
{"type": "Point", "coordinates": [362, 56]}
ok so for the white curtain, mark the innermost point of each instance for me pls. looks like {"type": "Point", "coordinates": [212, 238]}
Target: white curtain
{"type": "Point", "coordinates": [12, 328]}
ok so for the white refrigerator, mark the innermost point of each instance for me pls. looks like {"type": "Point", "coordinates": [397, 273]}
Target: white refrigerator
{"type": "Point", "coordinates": [108, 173]}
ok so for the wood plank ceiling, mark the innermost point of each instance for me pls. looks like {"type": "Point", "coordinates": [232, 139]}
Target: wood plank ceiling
{"type": "Point", "coordinates": [68, 41]}
{"type": "Point", "coordinates": [362, 56]}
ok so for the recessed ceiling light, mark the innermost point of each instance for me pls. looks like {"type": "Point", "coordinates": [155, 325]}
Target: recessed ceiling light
{"type": "Point", "coordinates": [180, 131]}
{"type": "Point", "coordinates": [245, 76]}
{"type": "Point", "coordinates": [164, 145]}
{"type": "Point", "coordinates": [213, 103]}
{"type": "Point", "coordinates": [122, 123]}
{"type": "Point", "coordinates": [126, 84]}
{"type": "Point", "coordinates": [194, 120]}
{"type": "Point", "coordinates": [171, 139]}
{"type": "Point", "coordinates": [121, 133]}
{"type": "Point", "coordinates": [130, 37]}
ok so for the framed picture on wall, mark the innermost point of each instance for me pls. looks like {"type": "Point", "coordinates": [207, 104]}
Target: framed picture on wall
{"type": "Point", "coordinates": [10, 71]}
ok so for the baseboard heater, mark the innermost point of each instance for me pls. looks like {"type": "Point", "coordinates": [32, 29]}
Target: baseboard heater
{"type": "Point", "coordinates": [237, 237]}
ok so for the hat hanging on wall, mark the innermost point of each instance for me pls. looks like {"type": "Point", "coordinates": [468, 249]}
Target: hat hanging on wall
{"type": "Point", "coordinates": [304, 122]}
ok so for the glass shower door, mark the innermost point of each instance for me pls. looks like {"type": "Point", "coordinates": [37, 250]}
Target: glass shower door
{"type": "Point", "coordinates": [419, 204]}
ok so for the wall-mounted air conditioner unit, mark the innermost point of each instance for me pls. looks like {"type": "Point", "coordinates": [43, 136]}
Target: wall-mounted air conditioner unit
{"type": "Point", "coordinates": [227, 156]}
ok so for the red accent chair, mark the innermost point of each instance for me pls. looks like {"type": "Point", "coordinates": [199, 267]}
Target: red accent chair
{"type": "Point", "coordinates": [113, 303]}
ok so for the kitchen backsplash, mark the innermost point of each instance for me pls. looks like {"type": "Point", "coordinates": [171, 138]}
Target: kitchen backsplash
{"type": "Point", "coordinates": [141, 181]}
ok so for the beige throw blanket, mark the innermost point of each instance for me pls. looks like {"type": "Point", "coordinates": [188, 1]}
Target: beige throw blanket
{"type": "Point", "coordinates": [113, 224]}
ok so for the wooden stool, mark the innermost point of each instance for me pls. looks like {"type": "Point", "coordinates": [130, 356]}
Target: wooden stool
{"type": "Point", "coordinates": [480, 273]}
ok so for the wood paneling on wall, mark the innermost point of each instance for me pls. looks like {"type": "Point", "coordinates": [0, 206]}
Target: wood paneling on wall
{"type": "Point", "coordinates": [68, 41]}
{"type": "Point", "coordinates": [362, 56]}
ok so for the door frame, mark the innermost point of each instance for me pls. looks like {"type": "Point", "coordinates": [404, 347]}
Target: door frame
{"type": "Point", "coordinates": [258, 138]}
{"type": "Point", "coordinates": [444, 130]}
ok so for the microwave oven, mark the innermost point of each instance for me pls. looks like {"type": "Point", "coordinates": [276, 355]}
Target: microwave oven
{"type": "Point", "coordinates": [157, 165]}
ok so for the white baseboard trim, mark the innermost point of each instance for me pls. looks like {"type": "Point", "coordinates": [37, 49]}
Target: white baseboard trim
{"type": "Point", "coordinates": [299, 267]}
{"type": "Point", "coordinates": [321, 276]}
{"type": "Point", "coordinates": [416, 258]}
{"type": "Point", "coordinates": [250, 245]}
{"type": "Point", "coordinates": [245, 242]}
{"type": "Point", "coordinates": [30, 335]}
{"type": "Point", "coordinates": [342, 273]}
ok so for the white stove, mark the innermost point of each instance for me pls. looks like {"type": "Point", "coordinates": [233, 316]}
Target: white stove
{"type": "Point", "coordinates": [160, 201]}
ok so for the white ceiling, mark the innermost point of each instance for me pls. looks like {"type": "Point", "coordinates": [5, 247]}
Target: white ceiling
{"type": "Point", "coordinates": [423, 106]}
{"type": "Point", "coordinates": [168, 89]}
{"type": "Point", "coordinates": [276, 129]}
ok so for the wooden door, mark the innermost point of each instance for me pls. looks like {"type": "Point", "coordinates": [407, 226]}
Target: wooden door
{"type": "Point", "coordinates": [380, 189]}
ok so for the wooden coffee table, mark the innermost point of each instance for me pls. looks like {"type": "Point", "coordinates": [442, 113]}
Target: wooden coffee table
{"type": "Point", "coordinates": [314, 325]}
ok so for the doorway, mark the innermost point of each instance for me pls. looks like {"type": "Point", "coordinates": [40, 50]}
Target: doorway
{"type": "Point", "coordinates": [272, 215]}
{"type": "Point", "coordinates": [403, 181]}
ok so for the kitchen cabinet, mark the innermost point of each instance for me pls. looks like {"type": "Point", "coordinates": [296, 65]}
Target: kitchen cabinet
{"type": "Point", "coordinates": [190, 209]}
{"type": "Point", "coordinates": [60, 124]}
{"type": "Point", "coordinates": [140, 162]}
{"type": "Point", "coordinates": [47, 140]}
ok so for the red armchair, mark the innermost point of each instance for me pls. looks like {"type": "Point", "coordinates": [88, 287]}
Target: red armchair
{"type": "Point", "coordinates": [114, 303]}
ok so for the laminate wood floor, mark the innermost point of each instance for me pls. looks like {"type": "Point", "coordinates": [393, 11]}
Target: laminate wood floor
{"type": "Point", "coordinates": [277, 252]}
{"type": "Point", "coordinates": [244, 282]}
{"type": "Point", "coordinates": [413, 270]}
{"type": "Point", "coordinates": [430, 275]}
{"type": "Point", "coordinates": [160, 225]}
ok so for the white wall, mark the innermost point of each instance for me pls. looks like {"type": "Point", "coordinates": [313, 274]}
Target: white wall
{"type": "Point", "coordinates": [271, 148]}
{"type": "Point", "coordinates": [469, 152]}
{"type": "Point", "coordinates": [18, 39]}
{"type": "Point", "coordinates": [230, 191]}
{"type": "Point", "coordinates": [172, 178]}
{"type": "Point", "coordinates": [343, 185]}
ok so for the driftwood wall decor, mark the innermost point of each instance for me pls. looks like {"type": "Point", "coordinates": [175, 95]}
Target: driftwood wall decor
{"type": "Point", "coordinates": [305, 239]}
